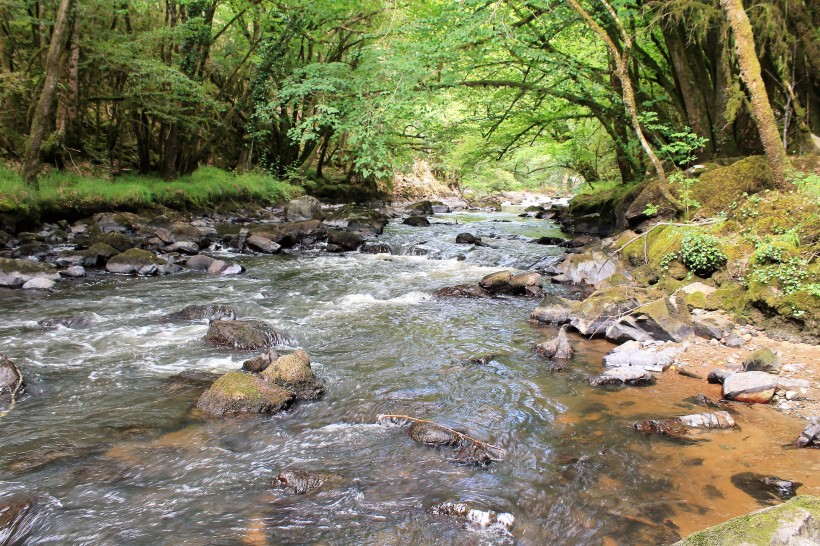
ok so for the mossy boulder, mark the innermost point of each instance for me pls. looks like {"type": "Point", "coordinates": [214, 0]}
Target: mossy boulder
{"type": "Point", "coordinates": [650, 194]}
{"type": "Point", "coordinates": [794, 522]}
{"type": "Point", "coordinates": [717, 189]}
{"type": "Point", "coordinates": [665, 319]}
{"type": "Point", "coordinates": [293, 372]}
{"type": "Point", "coordinates": [246, 334]}
{"type": "Point", "coordinates": [114, 239]}
{"type": "Point", "coordinates": [593, 315]}
{"type": "Point", "coordinates": [346, 240]}
{"type": "Point", "coordinates": [421, 208]}
{"type": "Point", "coordinates": [134, 261]}
{"type": "Point", "coordinates": [290, 234]}
{"type": "Point", "coordinates": [24, 267]}
{"type": "Point", "coordinates": [237, 393]}
{"type": "Point", "coordinates": [762, 360]}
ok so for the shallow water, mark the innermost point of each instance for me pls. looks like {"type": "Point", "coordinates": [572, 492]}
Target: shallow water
{"type": "Point", "coordinates": [117, 453]}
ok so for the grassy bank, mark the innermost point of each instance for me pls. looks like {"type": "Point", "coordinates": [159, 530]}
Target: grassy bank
{"type": "Point", "coordinates": [63, 192]}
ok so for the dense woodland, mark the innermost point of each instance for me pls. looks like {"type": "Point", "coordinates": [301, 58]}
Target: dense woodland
{"type": "Point", "coordinates": [353, 89]}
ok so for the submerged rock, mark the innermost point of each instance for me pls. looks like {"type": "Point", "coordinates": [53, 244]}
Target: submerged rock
{"type": "Point", "coordinates": [752, 387]}
{"type": "Point", "coordinates": [258, 364]}
{"type": "Point", "coordinates": [293, 372]}
{"type": "Point", "coordinates": [205, 312]}
{"type": "Point", "coordinates": [810, 437]}
{"type": "Point", "coordinates": [237, 393]}
{"type": "Point", "coordinates": [794, 523]}
{"type": "Point", "coordinates": [432, 434]}
{"type": "Point", "coordinates": [678, 426]}
{"type": "Point", "coordinates": [17, 518]}
{"type": "Point", "coordinates": [559, 347]}
{"type": "Point", "coordinates": [246, 334]}
{"type": "Point", "coordinates": [462, 291]}
{"type": "Point", "coordinates": [766, 489]}
{"type": "Point", "coordinates": [75, 322]}
{"type": "Point", "coordinates": [484, 518]}
{"type": "Point", "coordinates": [300, 482]}
{"type": "Point", "coordinates": [624, 375]}
{"type": "Point", "coordinates": [550, 241]}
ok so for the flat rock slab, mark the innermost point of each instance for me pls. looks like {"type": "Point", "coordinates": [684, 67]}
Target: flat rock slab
{"type": "Point", "coordinates": [246, 334]}
{"type": "Point", "coordinates": [623, 375]}
{"type": "Point", "coordinates": [752, 387]}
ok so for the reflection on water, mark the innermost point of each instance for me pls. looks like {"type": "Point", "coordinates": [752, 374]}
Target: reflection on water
{"type": "Point", "coordinates": [112, 446]}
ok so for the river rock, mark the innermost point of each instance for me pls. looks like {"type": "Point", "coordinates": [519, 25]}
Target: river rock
{"type": "Point", "coordinates": [810, 437]}
{"type": "Point", "coordinates": [366, 221]}
{"type": "Point", "coordinates": [346, 240]}
{"type": "Point", "coordinates": [303, 208]}
{"type": "Point", "coordinates": [135, 261]}
{"type": "Point", "coordinates": [39, 283]}
{"type": "Point", "coordinates": [794, 523]}
{"type": "Point", "coordinates": [237, 392]}
{"type": "Point", "coordinates": [624, 375]}
{"type": "Point", "coordinates": [416, 221]}
{"type": "Point", "coordinates": [666, 319]}
{"type": "Point", "coordinates": [484, 518]}
{"type": "Point", "coordinates": [226, 269]}
{"type": "Point", "coordinates": [421, 208]}
{"type": "Point", "coordinates": [559, 347]}
{"type": "Point", "coordinates": [552, 310]}
{"type": "Point", "coordinates": [293, 372]}
{"type": "Point", "coordinates": [762, 360]}
{"type": "Point", "coordinates": [551, 241]}
{"type": "Point", "coordinates": [184, 247]}
{"type": "Point", "coordinates": [631, 354]}
{"type": "Point", "coordinates": [504, 282]}
{"type": "Point", "coordinates": [713, 420]}
{"type": "Point", "coordinates": [469, 239]}
{"type": "Point", "coordinates": [290, 234]}
{"type": "Point", "coordinates": [718, 375]}
{"type": "Point", "coordinates": [246, 334]}
{"type": "Point", "coordinates": [462, 291]}
{"type": "Point", "coordinates": [300, 482]}
{"type": "Point", "coordinates": [593, 315]}
{"type": "Point", "coordinates": [98, 254]}
{"type": "Point", "coordinates": [262, 244]}
{"type": "Point", "coordinates": [17, 520]}
{"type": "Point", "coordinates": [75, 322]}
{"type": "Point", "coordinates": [115, 240]}
{"type": "Point", "coordinates": [766, 489]}
{"type": "Point", "coordinates": [701, 400]}
{"type": "Point", "coordinates": [74, 272]}
{"type": "Point", "coordinates": [375, 247]}
{"type": "Point", "coordinates": [258, 364]}
{"type": "Point", "coordinates": [592, 267]}
{"type": "Point", "coordinates": [11, 380]}
{"type": "Point", "coordinates": [205, 312]}
{"type": "Point", "coordinates": [752, 387]}
{"type": "Point", "coordinates": [711, 325]}
{"type": "Point", "coordinates": [433, 434]}
{"type": "Point", "coordinates": [200, 262]}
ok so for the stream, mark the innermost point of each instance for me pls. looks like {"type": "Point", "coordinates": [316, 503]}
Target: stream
{"type": "Point", "coordinates": [116, 452]}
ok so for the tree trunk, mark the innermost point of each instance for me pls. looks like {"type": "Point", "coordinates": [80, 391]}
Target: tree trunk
{"type": "Point", "coordinates": [68, 105]}
{"type": "Point", "coordinates": [750, 73]}
{"type": "Point", "coordinates": [44, 114]}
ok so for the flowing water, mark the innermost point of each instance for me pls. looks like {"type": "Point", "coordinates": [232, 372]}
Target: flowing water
{"type": "Point", "coordinates": [117, 454]}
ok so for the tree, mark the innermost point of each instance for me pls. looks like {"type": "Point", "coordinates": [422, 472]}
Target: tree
{"type": "Point", "coordinates": [46, 105]}
{"type": "Point", "coordinates": [761, 108]}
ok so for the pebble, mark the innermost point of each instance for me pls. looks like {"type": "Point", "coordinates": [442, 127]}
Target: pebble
{"type": "Point", "coordinates": [791, 395]}
{"type": "Point", "coordinates": [714, 342]}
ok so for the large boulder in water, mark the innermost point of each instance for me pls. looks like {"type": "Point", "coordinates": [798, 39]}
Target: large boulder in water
{"type": "Point", "coordinates": [236, 393]}
{"type": "Point", "coordinates": [505, 282]}
{"type": "Point", "coordinates": [665, 319]}
{"type": "Point", "coordinates": [205, 312]}
{"type": "Point", "coordinates": [290, 234]}
{"type": "Point", "coordinates": [246, 334]}
{"type": "Point", "coordinates": [593, 315]}
{"type": "Point", "coordinates": [462, 291]}
{"type": "Point", "coordinates": [293, 372]}
{"type": "Point", "coordinates": [347, 241]}
{"type": "Point", "coordinates": [300, 482]}
{"type": "Point", "coordinates": [416, 221]}
{"type": "Point", "coordinates": [262, 244]}
{"type": "Point", "coordinates": [303, 208]}
{"type": "Point", "coordinates": [752, 387]}
{"type": "Point", "coordinates": [135, 262]}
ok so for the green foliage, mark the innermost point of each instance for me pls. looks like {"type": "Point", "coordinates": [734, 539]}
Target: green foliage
{"type": "Point", "coordinates": [684, 187]}
{"type": "Point", "coordinates": [680, 146]}
{"type": "Point", "coordinates": [701, 253]}
{"type": "Point", "coordinates": [807, 183]}
{"type": "Point", "coordinates": [651, 210]}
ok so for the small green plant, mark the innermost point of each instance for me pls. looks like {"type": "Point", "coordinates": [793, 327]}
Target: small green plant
{"type": "Point", "coordinates": [685, 185]}
{"type": "Point", "coordinates": [651, 210]}
{"type": "Point", "coordinates": [667, 260]}
{"type": "Point", "coordinates": [808, 183]}
{"type": "Point", "coordinates": [701, 253]}
{"type": "Point", "coordinates": [789, 274]}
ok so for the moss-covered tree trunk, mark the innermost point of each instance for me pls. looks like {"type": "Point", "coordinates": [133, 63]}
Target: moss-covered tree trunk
{"type": "Point", "coordinates": [46, 105]}
{"type": "Point", "coordinates": [750, 73]}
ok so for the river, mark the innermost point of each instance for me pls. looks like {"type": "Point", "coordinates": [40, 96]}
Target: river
{"type": "Point", "coordinates": [116, 452]}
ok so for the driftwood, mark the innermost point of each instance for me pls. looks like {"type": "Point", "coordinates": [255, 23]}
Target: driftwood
{"type": "Point", "coordinates": [469, 449]}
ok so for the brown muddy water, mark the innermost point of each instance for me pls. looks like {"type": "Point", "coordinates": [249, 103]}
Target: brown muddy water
{"type": "Point", "coordinates": [114, 450]}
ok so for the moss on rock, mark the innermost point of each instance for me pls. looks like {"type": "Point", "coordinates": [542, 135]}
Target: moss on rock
{"type": "Point", "coordinates": [24, 267]}
{"type": "Point", "coordinates": [717, 189]}
{"type": "Point", "coordinates": [236, 393]}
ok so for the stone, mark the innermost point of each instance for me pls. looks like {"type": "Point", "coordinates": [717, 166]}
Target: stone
{"type": "Point", "coordinates": [11, 380]}
{"type": "Point", "coordinates": [17, 520]}
{"type": "Point", "coordinates": [560, 347]}
{"type": "Point", "coordinates": [462, 291]}
{"type": "Point", "coordinates": [374, 247]}
{"type": "Point", "coordinates": [416, 221]}
{"type": "Point", "coordinates": [293, 372]}
{"type": "Point", "coordinates": [300, 482]}
{"type": "Point", "coordinates": [185, 247]}
{"type": "Point", "coordinates": [134, 261]}
{"type": "Point", "coordinates": [762, 360]}
{"type": "Point", "coordinates": [810, 437]}
{"type": "Point", "coordinates": [718, 375]}
{"type": "Point", "coordinates": [794, 523]}
{"type": "Point", "coordinates": [289, 234]}
{"type": "Point", "coordinates": [483, 518]}
{"type": "Point", "coordinates": [752, 387]}
{"type": "Point", "coordinates": [246, 334]}
{"type": "Point", "coordinates": [115, 240]}
{"type": "Point", "coordinates": [733, 341]}
{"type": "Point", "coordinates": [200, 262]}
{"type": "Point", "coordinates": [98, 254]}
{"type": "Point", "coordinates": [205, 312]}
{"type": "Point", "coordinates": [11, 280]}
{"type": "Point", "coordinates": [624, 375]}
{"type": "Point", "coordinates": [230, 269]}
{"type": "Point", "coordinates": [665, 319]}
{"type": "Point", "coordinates": [262, 244]}
{"type": "Point", "coordinates": [552, 310]}
{"type": "Point", "coordinates": [504, 282]}
{"type": "Point", "coordinates": [421, 208]}
{"type": "Point", "coordinates": [629, 355]}
{"type": "Point", "coordinates": [695, 287]}
{"type": "Point", "coordinates": [593, 315]}
{"type": "Point", "coordinates": [348, 241]}
{"type": "Point", "coordinates": [592, 267]}
{"type": "Point", "coordinates": [551, 241]}
{"type": "Point", "coordinates": [39, 283]}
{"type": "Point", "coordinates": [74, 322]}
{"type": "Point", "coordinates": [718, 419]}
{"type": "Point", "coordinates": [237, 393]}
{"type": "Point", "coordinates": [303, 208]}
{"type": "Point", "coordinates": [74, 272]}
{"type": "Point", "coordinates": [711, 325]}
{"type": "Point", "coordinates": [469, 239]}
{"type": "Point", "coordinates": [790, 395]}
{"type": "Point", "coordinates": [258, 364]}
{"type": "Point", "coordinates": [766, 489]}
{"type": "Point", "coordinates": [433, 434]}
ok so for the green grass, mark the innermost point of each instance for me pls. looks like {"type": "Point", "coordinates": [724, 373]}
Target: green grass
{"type": "Point", "coordinates": [206, 187]}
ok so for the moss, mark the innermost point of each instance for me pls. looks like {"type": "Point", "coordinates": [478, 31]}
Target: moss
{"type": "Point", "coordinates": [695, 299]}
{"type": "Point", "coordinates": [729, 297]}
{"type": "Point", "coordinates": [24, 267]}
{"type": "Point", "coordinates": [717, 189]}
{"type": "Point", "coordinates": [756, 528]}
{"type": "Point", "coordinates": [101, 250]}
{"type": "Point", "coordinates": [113, 240]}
{"type": "Point", "coordinates": [604, 201]}
{"type": "Point", "coordinates": [290, 369]}
{"type": "Point", "coordinates": [136, 256]}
